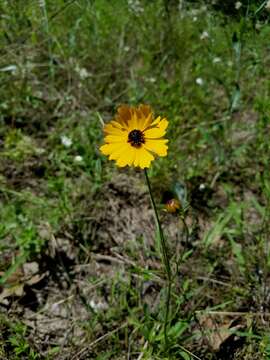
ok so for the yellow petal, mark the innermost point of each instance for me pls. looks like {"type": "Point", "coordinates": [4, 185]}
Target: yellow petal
{"type": "Point", "coordinates": [158, 131]}
{"type": "Point", "coordinates": [147, 122]}
{"type": "Point", "coordinates": [157, 146]}
{"type": "Point", "coordinates": [145, 158]}
{"type": "Point", "coordinates": [124, 114]}
{"type": "Point", "coordinates": [110, 129]}
{"type": "Point", "coordinates": [145, 110]}
{"type": "Point", "coordinates": [156, 121]}
{"type": "Point", "coordinates": [133, 122]}
{"type": "Point", "coordinates": [163, 124]}
{"type": "Point", "coordinates": [126, 157]}
{"type": "Point", "coordinates": [107, 149]}
{"type": "Point", "coordinates": [142, 158]}
{"type": "Point", "coordinates": [116, 138]}
{"type": "Point", "coordinates": [137, 158]}
{"type": "Point", "coordinates": [132, 154]}
{"type": "Point", "coordinates": [118, 125]}
{"type": "Point", "coordinates": [119, 152]}
{"type": "Point", "coordinates": [121, 162]}
{"type": "Point", "coordinates": [154, 133]}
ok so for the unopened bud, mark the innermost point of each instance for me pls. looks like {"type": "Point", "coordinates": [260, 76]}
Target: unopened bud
{"type": "Point", "coordinates": [172, 205]}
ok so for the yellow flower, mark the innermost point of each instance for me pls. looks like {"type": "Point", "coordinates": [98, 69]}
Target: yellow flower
{"type": "Point", "coordinates": [134, 136]}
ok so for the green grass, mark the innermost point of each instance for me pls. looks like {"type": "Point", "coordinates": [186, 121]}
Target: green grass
{"type": "Point", "coordinates": [64, 67]}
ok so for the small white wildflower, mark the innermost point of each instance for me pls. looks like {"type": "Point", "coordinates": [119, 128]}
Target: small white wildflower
{"type": "Point", "coordinates": [216, 60]}
{"type": "Point", "coordinates": [204, 35]}
{"type": "Point", "coordinates": [83, 73]}
{"type": "Point", "coordinates": [66, 141]}
{"type": "Point", "coordinates": [98, 306]}
{"type": "Point", "coordinates": [78, 158]}
{"type": "Point", "coordinates": [135, 6]}
{"type": "Point", "coordinates": [55, 308]}
{"type": "Point", "coordinates": [199, 81]}
{"type": "Point", "coordinates": [258, 25]}
{"type": "Point", "coordinates": [152, 80]}
{"type": "Point", "coordinates": [194, 18]}
{"type": "Point", "coordinates": [201, 187]}
{"type": "Point", "coordinates": [126, 48]}
{"type": "Point", "coordinates": [237, 5]}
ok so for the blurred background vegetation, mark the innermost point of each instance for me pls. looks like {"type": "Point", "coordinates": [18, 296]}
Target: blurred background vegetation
{"type": "Point", "coordinates": [64, 66]}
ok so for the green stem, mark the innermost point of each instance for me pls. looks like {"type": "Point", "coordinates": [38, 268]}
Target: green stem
{"type": "Point", "coordinates": [165, 257]}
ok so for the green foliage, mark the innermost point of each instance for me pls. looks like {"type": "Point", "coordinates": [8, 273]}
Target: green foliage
{"type": "Point", "coordinates": [65, 66]}
{"type": "Point", "coordinates": [16, 347]}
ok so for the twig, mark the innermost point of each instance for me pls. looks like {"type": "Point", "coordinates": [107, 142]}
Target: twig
{"type": "Point", "coordinates": [189, 352]}
{"type": "Point", "coordinates": [144, 347]}
{"type": "Point", "coordinates": [213, 281]}
{"type": "Point", "coordinates": [232, 313]}
{"type": "Point", "coordinates": [100, 257]}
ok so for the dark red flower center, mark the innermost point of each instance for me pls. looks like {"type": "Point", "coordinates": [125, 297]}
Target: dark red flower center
{"type": "Point", "coordinates": [136, 138]}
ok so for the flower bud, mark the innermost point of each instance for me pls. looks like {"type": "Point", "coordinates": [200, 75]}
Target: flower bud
{"type": "Point", "coordinates": [172, 205]}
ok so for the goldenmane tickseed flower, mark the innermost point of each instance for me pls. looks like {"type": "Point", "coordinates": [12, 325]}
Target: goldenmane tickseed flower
{"type": "Point", "coordinates": [134, 136]}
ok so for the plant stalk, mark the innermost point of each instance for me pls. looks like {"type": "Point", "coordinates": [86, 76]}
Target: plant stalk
{"type": "Point", "coordinates": [165, 258]}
